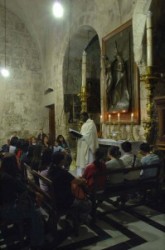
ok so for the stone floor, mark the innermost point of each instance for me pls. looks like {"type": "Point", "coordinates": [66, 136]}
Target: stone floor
{"type": "Point", "coordinates": [137, 227]}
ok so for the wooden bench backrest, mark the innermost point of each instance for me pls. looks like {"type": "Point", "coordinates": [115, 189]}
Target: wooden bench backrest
{"type": "Point", "coordinates": [135, 171]}
{"type": "Point", "coordinates": [49, 198]}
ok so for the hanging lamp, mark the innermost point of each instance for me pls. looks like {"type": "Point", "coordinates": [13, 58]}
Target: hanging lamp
{"type": "Point", "coordinates": [58, 10]}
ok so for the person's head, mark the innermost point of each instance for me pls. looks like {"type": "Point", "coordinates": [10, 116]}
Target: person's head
{"type": "Point", "coordinates": [14, 141]}
{"type": "Point", "coordinates": [84, 116]}
{"type": "Point", "coordinates": [46, 139]}
{"type": "Point", "coordinates": [145, 148]}
{"type": "Point", "coordinates": [126, 146]}
{"type": "Point", "coordinates": [60, 138]}
{"type": "Point", "coordinates": [58, 159]}
{"type": "Point", "coordinates": [33, 140]}
{"type": "Point", "coordinates": [99, 157]}
{"type": "Point", "coordinates": [99, 154]}
{"type": "Point", "coordinates": [9, 164]}
{"type": "Point", "coordinates": [114, 152]}
{"type": "Point", "coordinates": [56, 143]}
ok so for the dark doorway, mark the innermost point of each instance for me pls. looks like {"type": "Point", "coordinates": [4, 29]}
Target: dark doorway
{"type": "Point", "coordinates": [52, 130]}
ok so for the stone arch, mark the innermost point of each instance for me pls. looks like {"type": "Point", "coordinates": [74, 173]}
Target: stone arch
{"type": "Point", "coordinates": [85, 38]}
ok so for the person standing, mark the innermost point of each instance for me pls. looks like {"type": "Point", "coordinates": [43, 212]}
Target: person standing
{"type": "Point", "coordinates": [87, 144]}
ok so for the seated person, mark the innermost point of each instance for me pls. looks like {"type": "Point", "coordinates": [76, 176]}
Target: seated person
{"type": "Point", "coordinates": [98, 166]}
{"type": "Point", "coordinates": [46, 158]}
{"type": "Point", "coordinates": [13, 144]}
{"type": "Point", "coordinates": [5, 147]}
{"type": "Point", "coordinates": [148, 159]}
{"type": "Point", "coordinates": [115, 163]}
{"type": "Point", "coordinates": [62, 180]}
{"type": "Point", "coordinates": [57, 147]}
{"type": "Point", "coordinates": [129, 159]}
{"type": "Point", "coordinates": [65, 145]}
{"type": "Point", "coordinates": [62, 142]}
{"type": "Point", "coordinates": [12, 188]}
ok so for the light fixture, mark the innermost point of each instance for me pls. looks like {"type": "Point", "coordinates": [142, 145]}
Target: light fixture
{"type": "Point", "coordinates": [4, 71]}
{"type": "Point", "coordinates": [58, 9]}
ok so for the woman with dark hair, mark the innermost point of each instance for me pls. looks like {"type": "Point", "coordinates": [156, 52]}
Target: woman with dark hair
{"type": "Point", "coordinates": [98, 166]}
{"type": "Point", "coordinates": [63, 192]}
{"type": "Point", "coordinates": [61, 181]}
{"type": "Point", "coordinates": [62, 142]}
{"type": "Point", "coordinates": [10, 165]}
{"type": "Point", "coordinates": [46, 143]}
{"type": "Point", "coordinates": [115, 163]}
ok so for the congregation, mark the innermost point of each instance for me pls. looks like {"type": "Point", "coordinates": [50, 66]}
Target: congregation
{"type": "Point", "coordinates": [53, 162]}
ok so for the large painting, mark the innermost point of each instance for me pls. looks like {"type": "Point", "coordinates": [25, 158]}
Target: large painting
{"type": "Point", "coordinates": [121, 77]}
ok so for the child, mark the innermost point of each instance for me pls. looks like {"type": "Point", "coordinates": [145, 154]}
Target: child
{"type": "Point", "coordinates": [57, 148]}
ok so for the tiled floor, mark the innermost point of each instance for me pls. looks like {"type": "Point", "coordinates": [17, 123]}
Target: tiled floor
{"type": "Point", "coordinates": [138, 227]}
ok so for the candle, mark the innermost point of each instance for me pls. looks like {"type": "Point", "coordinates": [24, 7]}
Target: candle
{"type": "Point", "coordinates": [101, 118]}
{"type": "Point", "coordinates": [109, 117]}
{"type": "Point", "coordinates": [149, 39]}
{"type": "Point", "coordinates": [132, 116]}
{"type": "Point", "coordinates": [118, 117]}
{"type": "Point", "coordinates": [84, 69]}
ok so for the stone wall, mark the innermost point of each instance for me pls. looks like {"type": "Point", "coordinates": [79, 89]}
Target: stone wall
{"type": "Point", "coordinates": [21, 107]}
{"type": "Point", "coordinates": [101, 16]}
{"type": "Point", "coordinates": [22, 99]}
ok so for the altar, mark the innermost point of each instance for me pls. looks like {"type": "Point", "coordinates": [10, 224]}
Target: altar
{"type": "Point", "coordinates": [109, 142]}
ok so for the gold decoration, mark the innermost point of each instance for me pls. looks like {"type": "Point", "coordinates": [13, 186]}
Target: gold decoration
{"type": "Point", "coordinates": [150, 79]}
{"type": "Point", "coordinates": [83, 98]}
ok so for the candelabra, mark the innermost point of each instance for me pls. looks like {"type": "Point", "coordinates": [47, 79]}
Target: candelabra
{"type": "Point", "coordinates": [83, 99]}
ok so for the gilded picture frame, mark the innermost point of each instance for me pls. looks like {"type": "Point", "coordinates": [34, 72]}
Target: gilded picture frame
{"type": "Point", "coordinates": [121, 76]}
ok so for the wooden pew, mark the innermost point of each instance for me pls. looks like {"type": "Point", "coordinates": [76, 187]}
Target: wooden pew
{"type": "Point", "coordinates": [46, 201]}
{"type": "Point", "coordinates": [126, 187]}
{"type": "Point", "coordinates": [49, 200]}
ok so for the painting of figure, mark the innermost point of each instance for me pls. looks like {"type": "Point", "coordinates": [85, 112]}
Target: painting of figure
{"type": "Point", "coordinates": [117, 92]}
{"type": "Point", "coordinates": [119, 70]}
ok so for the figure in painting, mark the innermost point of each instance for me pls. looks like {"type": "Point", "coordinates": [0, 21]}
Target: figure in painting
{"type": "Point", "coordinates": [118, 97]}
{"type": "Point", "coordinates": [108, 79]}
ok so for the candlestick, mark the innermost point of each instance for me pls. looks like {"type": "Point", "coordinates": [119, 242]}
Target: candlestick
{"type": "Point", "coordinates": [132, 117]}
{"type": "Point", "coordinates": [149, 39]}
{"type": "Point", "coordinates": [118, 117]}
{"type": "Point", "coordinates": [101, 118]}
{"type": "Point", "coordinates": [109, 117]}
{"type": "Point", "coordinates": [84, 69]}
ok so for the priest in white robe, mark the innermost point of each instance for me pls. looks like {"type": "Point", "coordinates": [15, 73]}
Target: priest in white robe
{"type": "Point", "coordinates": [87, 144]}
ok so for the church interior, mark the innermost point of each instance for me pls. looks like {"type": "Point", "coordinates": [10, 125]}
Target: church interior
{"type": "Point", "coordinates": [106, 58]}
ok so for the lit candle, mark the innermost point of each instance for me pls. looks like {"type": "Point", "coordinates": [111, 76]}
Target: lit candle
{"type": "Point", "coordinates": [118, 117]}
{"type": "Point", "coordinates": [132, 116]}
{"type": "Point", "coordinates": [84, 69]}
{"type": "Point", "coordinates": [149, 39]}
{"type": "Point", "coordinates": [101, 118]}
{"type": "Point", "coordinates": [109, 117]}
